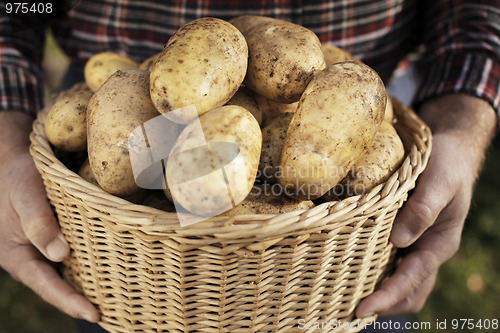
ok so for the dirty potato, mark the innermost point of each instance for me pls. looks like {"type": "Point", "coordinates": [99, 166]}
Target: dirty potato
{"type": "Point", "coordinates": [245, 99]}
{"type": "Point", "coordinates": [384, 156]}
{"type": "Point", "coordinates": [147, 64]}
{"type": "Point", "coordinates": [268, 199]}
{"type": "Point", "coordinates": [272, 109]}
{"type": "Point", "coordinates": [246, 22]}
{"type": "Point", "coordinates": [334, 54]}
{"type": "Point", "coordinates": [102, 65]}
{"type": "Point", "coordinates": [283, 58]}
{"type": "Point", "coordinates": [203, 64]}
{"type": "Point", "coordinates": [86, 172]}
{"type": "Point", "coordinates": [273, 137]}
{"type": "Point", "coordinates": [66, 123]}
{"type": "Point", "coordinates": [158, 200]}
{"type": "Point", "coordinates": [389, 110]}
{"type": "Point", "coordinates": [338, 116]}
{"type": "Point", "coordinates": [120, 105]}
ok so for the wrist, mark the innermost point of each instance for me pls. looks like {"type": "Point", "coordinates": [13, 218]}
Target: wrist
{"type": "Point", "coordinates": [15, 127]}
{"type": "Point", "coordinates": [466, 123]}
{"type": "Point", "coordinates": [464, 115]}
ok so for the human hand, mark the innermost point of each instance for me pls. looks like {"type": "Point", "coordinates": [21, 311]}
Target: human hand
{"type": "Point", "coordinates": [428, 228]}
{"type": "Point", "coordinates": [30, 239]}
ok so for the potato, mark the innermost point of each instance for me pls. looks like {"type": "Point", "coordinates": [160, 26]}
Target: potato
{"type": "Point", "coordinates": [268, 199]}
{"type": "Point", "coordinates": [204, 63]}
{"type": "Point", "coordinates": [66, 124]}
{"type": "Point", "coordinates": [212, 168]}
{"type": "Point", "coordinates": [86, 173]}
{"type": "Point", "coordinates": [246, 22]}
{"type": "Point", "coordinates": [272, 109]}
{"type": "Point", "coordinates": [245, 99]}
{"type": "Point", "coordinates": [338, 116]}
{"type": "Point", "coordinates": [120, 105]}
{"type": "Point", "coordinates": [148, 63]}
{"type": "Point", "coordinates": [334, 54]}
{"type": "Point", "coordinates": [283, 58]}
{"type": "Point", "coordinates": [389, 110]}
{"type": "Point", "coordinates": [273, 137]}
{"type": "Point", "coordinates": [102, 65]}
{"type": "Point", "coordinates": [157, 199]}
{"type": "Point", "coordinates": [384, 156]}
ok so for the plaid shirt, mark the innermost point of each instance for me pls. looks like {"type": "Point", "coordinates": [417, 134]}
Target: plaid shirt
{"type": "Point", "coordinates": [462, 38]}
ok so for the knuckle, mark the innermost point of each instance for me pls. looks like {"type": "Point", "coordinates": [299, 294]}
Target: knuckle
{"type": "Point", "coordinates": [429, 262]}
{"type": "Point", "coordinates": [39, 230]}
{"type": "Point", "coordinates": [422, 212]}
{"type": "Point", "coordinates": [452, 245]}
{"type": "Point", "coordinates": [415, 307]}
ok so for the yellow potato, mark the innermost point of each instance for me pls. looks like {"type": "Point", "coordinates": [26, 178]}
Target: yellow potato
{"type": "Point", "coordinates": [338, 116]}
{"type": "Point", "coordinates": [283, 58]}
{"type": "Point", "coordinates": [212, 167]}
{"type": "Point", "coordinates": [246, 22]}
{"type": "Point", "coordinates": [272, 109]}
{"type": "Point", "coordinates": [268, 199]}
{"type": "Point", "coordinates": [158, 200]}
{"type": "Point", "coordinates": [245, 99]}
{"type": "Point", "coordinates": [273, 137]}
{"type": "Point", "coordinates": [148, 63]}
{"type": "Point", "coordinates": [389, 110]}
{"type": "Point", "coordinates": [86, 173]}
{"type": "Point", "coordinates": [66, 124]}
{"type": "Point", "coordinates": [102, 65]}
{"type": "Point", "coordinates": [203, 64]}
{"type": "Point", "coordinates": [384, 156]}
{"type": "Point", "coordinates": [120, 105]}
{"type": "Point", "coordinates": [334, 54]}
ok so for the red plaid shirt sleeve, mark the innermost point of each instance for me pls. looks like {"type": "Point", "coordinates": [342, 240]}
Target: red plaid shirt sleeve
{"type": "Point", "coordinates": [462, 55]}
{"type": "Point", "coordinates": [20, 73]}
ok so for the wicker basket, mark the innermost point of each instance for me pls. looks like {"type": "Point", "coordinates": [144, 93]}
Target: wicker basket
{"type": "Point", "coordinates": [258, 273]}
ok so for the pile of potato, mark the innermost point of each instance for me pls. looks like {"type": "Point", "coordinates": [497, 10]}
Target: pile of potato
{"type": "Point", "coordinates": [284, 120]}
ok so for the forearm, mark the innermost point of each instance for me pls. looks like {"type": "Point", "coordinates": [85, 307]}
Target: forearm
{"type": "Point", "coordinates": [15, 127]}
{"type": "Point", "coordinates": [471, 120]}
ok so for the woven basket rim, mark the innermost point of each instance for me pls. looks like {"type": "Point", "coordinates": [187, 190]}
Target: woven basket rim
{"type": "Point", "coordinates": [132, 216]}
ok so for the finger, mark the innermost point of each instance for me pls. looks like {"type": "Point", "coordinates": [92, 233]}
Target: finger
{"type": "Point", "coordinates": [415, 268]}
{"type": "Point", "coordinates": [30, 202]}
{"type": "Point", "coordinates": [424, 257]}
{"type": "Point", "coordinates": [39, 275]}
{"type": "Point", "coordinates": [414, 302]}
{"type": "Point", "coordinates": [420, 212]}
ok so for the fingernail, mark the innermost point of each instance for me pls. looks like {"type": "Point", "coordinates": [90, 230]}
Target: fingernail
{"type": "Point", "coordinates": [365, 315]}
{"type": "Point", "coordinates": [57, 249]}
{"type": "Point", "coordinates": [400, 235]}
{"type": "Point", "coordinates": [89, 317]}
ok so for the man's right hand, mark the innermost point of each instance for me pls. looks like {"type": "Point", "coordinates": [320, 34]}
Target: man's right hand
{"type": "Point", "coordinates": [30, 238]}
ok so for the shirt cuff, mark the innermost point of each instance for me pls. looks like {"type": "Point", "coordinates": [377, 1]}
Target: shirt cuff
{"type": "Point", "coordinates": [473, 74]}
{"type": "Point", "coordinates": [20, 90]}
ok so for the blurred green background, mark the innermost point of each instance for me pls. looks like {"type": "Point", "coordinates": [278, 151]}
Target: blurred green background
{"type": "Point", "coordinates": [468, 285]}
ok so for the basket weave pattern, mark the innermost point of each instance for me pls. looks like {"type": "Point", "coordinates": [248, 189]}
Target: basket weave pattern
{"type": "Point", "coordinates": [253, 273]}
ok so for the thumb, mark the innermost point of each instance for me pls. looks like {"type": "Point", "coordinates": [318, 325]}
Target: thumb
{"type": "Point", "coordinates": [30, 202]}
{"type": "Point", "coordinates": [421, 210]}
